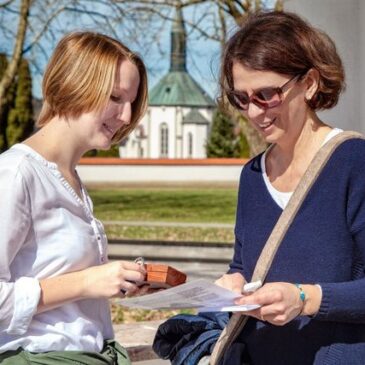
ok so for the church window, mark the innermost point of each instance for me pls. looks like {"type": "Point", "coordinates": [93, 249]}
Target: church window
{"type": "Point", "coordinates": [190, 145]}
{"type": "Point", "coordinates": [164, 140]}
{"type": "Point", "coordinates": [139, 131]}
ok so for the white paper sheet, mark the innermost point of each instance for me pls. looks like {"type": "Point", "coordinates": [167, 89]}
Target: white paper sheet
{"type": "Point", "coordinates": [200, 294]}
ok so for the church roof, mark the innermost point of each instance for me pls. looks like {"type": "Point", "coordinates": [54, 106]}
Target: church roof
{"type": "Point", "coordinates": [178, 88]}
{"type": "Point", "coordinates": [194, 117]}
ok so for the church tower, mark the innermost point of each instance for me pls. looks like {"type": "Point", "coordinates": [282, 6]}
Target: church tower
{"type": "Point", "coordinates": [178, 44]}
{"type": "Point", "coordinates": [180, 112]}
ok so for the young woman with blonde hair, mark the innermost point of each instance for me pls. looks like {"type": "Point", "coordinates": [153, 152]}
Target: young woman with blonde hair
{"type": "Point", "coordinates": [55, 279]}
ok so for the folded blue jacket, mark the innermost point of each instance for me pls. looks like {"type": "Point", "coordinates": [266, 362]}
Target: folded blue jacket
{"type": "Point", "coordinates": [184, 339]}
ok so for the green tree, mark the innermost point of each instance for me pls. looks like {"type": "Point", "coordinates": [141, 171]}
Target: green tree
{"type": "Point", "coordinates": [244, 147]}
{"type": "Point", "coordinates": [113, 151]}
{"type": "Point", "coordinates": [223, 140]}
{"type": "Point", "coordinates": [20, 119]}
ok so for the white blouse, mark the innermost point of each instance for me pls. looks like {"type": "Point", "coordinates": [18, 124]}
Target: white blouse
{"type": "Point", "coordinates": [46, 230]}
{"type": "Point", "coordinates": [281, 197]}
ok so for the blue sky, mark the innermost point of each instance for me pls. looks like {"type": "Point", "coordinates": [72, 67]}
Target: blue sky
{"type": "Point", "coordinates": [202, 54]}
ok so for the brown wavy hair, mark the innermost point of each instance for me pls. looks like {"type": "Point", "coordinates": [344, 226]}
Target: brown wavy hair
{"type": "Point", "coordinates": [283, 42]}
{"type": "Point", "coordinates": [80, 76]}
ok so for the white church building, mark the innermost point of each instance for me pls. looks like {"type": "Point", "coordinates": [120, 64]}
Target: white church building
{"type": "Point", "coordinates": [178, 120]}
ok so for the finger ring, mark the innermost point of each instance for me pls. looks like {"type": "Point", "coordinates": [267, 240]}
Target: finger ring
{"type": "Point", "coordinates": [139, 260]}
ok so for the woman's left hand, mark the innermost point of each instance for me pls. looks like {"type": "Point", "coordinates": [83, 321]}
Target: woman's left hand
{"type": "Point", "coordinates": [280, 303]}
{"type": "Point", "coordinates": [143, 290]}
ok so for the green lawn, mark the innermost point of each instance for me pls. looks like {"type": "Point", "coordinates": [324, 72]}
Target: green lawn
{"type": "Point", "coordinates": [191, 205]}
{"type": "Point", "coordinates": [171, 233]}
{"type": "Point", "coordinates": [170, 204]}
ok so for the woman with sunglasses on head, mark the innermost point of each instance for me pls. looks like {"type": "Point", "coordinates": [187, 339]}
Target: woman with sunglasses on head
{"type": "Point", "coordinates": [55, 280]}
{"type": "Point", "coordinates": [278, 71]}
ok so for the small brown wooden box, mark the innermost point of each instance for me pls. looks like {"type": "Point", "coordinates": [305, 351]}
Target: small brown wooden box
{"type": "Point", "coordinates": [159, 275]}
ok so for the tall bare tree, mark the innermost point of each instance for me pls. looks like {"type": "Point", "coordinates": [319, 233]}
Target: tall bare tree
{"type": "Point", "coordinates": [30, 28]}
{"type": "Point", "coordinates": [13, 65]}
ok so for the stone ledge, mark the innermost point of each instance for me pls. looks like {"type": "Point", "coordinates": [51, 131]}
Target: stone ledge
{"type": "Point", "coordinates": [137, 338]}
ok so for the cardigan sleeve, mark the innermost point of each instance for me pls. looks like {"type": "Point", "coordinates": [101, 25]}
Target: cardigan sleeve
{"type": "Point", "coordinates": [236, 263]}
{"type": "Point", "coordinates": [19, 297]}
{"type": "Point", "coordinates": [345, 301]}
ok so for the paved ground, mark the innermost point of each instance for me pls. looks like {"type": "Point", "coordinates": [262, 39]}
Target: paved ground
{"type": "Point", "coordinates": [139, 335]}
{"type": "Point", "coordinates": [136, 334]}
{"type": "Point", "coordinates": [201, 270]}
{"type": "Point", "coordinates": [152, 362]}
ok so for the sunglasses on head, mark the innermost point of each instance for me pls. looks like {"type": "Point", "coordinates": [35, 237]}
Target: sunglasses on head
{"type": "Point", "coordinates": [266, 98]}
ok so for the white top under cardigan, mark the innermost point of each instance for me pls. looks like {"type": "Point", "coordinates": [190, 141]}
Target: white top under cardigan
{"type": "Point", "coordinates": [282, 198]}
{"type": "Point", "coordinates": [46, 230]}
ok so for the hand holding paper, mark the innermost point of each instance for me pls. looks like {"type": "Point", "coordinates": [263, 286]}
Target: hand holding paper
{"type": "Point", "coordinates": [200, 294]}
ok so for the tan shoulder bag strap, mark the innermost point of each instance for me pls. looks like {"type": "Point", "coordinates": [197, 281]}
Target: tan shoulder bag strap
{"type": "Point", "coordinates": [238, 321]}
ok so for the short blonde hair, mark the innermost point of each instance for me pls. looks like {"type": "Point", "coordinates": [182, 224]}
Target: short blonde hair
{"type": "Point", "coordinates": [80, 76]}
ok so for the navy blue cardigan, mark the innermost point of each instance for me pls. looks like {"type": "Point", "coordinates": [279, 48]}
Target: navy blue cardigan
{"type": "Point", "coordinates": [324, 245]}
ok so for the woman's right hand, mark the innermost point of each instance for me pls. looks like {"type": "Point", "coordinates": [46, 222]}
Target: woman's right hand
{"type": "Point", "coordinates": [112, 279]}
{"type": "Point", "coordinates": [234, 282]}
